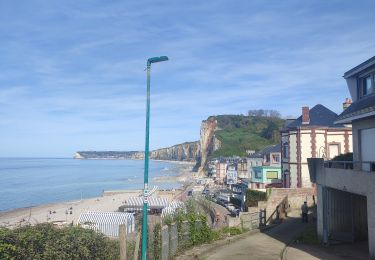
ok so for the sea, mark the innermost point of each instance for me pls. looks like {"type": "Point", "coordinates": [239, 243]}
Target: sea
{"type": "Point", "coordinates": [26, 182]}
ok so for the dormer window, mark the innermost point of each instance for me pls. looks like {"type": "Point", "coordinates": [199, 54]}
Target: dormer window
{"type": "Point", "coordinates": [367, 85]}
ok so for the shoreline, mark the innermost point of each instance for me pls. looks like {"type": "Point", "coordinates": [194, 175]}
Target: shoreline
{"type": "Point", "coordinates": [108, 201]}
{"type": "Point", "coordinates": [69, 211]}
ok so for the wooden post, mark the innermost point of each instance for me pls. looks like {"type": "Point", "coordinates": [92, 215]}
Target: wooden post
{"type": "Point", "coordinates": [136, 249]}
{"type": "Point", "coordinates": [122, 237]}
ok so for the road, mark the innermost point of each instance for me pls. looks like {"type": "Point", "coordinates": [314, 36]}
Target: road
{"type": "Point", "coordinates": [262, 245]}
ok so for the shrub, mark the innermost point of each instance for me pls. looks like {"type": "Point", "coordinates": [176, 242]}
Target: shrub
{"type": "Point", "coordinates": [44, 241]}
{"type": "Point", "coordinates": [343, 157]}
{"type": "Point", "coordinates": [235, 201]}
{"type": "Point", "coordinates": [253, 196]}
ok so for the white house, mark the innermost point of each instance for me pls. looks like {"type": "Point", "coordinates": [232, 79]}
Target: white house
{"type": "Point", "coordinates": [313, 134]}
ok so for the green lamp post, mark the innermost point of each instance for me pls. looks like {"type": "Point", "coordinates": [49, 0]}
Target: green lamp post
{"type": "Point", "coordinates": [145, 188]}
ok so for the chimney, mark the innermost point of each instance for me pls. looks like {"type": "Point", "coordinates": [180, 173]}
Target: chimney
{"type": "Point", "coordinates": [347, 103]}
{"type": "Point", "coordinates": [305, 115]}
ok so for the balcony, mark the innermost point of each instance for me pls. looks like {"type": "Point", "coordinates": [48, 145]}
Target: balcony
{"type": "Point", "coordinates": [349, 176]}
{"type": "Point", "coordinates": [351, 165]}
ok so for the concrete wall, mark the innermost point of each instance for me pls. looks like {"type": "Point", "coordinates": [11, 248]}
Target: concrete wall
{"type": "Point", "coordinates": [305, 176]}
{"type": "Point", "coordinates": [353, 181]}
{"type": "Point", "coordinates": [296, 196]}
{"type": "Point", "coordinates": [250, 220]}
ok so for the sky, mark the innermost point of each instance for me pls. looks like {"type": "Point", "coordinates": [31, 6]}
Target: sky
{"type": "Point", "coordinates": [72, 73]}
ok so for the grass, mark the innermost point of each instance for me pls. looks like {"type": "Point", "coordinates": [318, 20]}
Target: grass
{"type": "Point", "coordinates": [239, 133]}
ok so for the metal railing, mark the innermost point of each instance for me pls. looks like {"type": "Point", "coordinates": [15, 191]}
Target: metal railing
{"type": "Point", "coordinates": [351, 165]}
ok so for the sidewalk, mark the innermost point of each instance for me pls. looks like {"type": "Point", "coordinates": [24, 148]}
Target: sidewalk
{"type": "Point", "coordinates": [260, 245]}
{"type": "Point", "coordinates": [344, 251]}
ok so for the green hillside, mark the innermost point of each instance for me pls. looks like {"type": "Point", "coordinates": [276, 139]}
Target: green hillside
{"type": "Point", "coordinates": [239, 133]}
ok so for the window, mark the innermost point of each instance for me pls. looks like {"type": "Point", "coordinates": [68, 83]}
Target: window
{"type": "Point", "coordinates": [272, 175]}
{"type": "Point", "coordinates": [367, 85]}
{"type": "Point", "coordinates": [258, 173]}
{"type": "Point", "coordinates": [334, 150]}
{"type": "Point", "coordinates": [367, 142]}
{"type": "Point", "coordinates": [275, 158]}
{"type": "Point", "coordinates": [285, 150]}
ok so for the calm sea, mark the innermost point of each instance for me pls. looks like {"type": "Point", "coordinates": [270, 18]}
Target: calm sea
{"type": "Point", "coordinates": [28, 182]}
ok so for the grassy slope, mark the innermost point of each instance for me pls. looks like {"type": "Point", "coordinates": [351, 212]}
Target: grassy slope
{"type": "Point", "coordinates": [240, 133]}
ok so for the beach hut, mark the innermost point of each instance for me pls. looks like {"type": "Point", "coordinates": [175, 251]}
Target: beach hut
{"type": "Point", "coordinates": [172, 208]}
{"type": "Point", "coordinates": [107, 222]}
{"type": "Point", "coordinates": [136, 204]}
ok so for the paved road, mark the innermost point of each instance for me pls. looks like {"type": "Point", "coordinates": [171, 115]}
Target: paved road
{"type": "Point", "coordinates": [357, 251]}
{"type": "Point", "coordinates": [262, 245]}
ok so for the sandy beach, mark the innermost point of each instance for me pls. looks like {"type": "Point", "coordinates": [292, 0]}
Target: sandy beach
{"type": "Point", "coordinates": [69, 212]}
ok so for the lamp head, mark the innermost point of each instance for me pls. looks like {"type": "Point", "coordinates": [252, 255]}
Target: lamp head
{"type": "Point", "coordinates": [157, 59]}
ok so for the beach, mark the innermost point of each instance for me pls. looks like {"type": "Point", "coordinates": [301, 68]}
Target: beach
{"type": "Point", "coordinates": [69, 212]}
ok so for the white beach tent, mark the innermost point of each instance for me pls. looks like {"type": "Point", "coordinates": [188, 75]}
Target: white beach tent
{"type": "Point", "coordinates": [107, 222]}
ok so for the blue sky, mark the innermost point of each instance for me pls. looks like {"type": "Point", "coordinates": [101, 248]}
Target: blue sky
{"type": "Point", "coordinates": [72, 72]}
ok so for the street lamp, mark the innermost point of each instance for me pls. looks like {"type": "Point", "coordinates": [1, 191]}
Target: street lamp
{"type": "Point", "coordinates": [145, 188]}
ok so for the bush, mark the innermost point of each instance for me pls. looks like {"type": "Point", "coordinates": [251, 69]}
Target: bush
{"type": "Point", "coordinates": [235, 201]}
{"type": "Point", "coordinates": [44, 241]}
{"type": "Point", "coordinates": [232, 231]}
{"type": "Point", "coordinates": [343, 157]}
{"type": "Point", "coordinates": [253, 196]}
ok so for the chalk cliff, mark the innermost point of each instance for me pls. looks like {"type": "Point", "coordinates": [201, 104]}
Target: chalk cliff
{"type": "Point", "coordinates": [198, 151]}
{"type": "Point", "coordinates": [208, 142]}
{"type": "Point", "coordinates": [132, 155]}
{"type": "Point", "coordinates": [188, 151]}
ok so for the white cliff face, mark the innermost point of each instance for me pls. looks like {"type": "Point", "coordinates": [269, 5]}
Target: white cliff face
{"type": "Point", "coordinates": [208, 142]}
{"type": "Point", "coordinates": [181, 152]}
{"type": "Point", "coordinates": [78, 156]}
{"type": "Point", "coordinates": [198, 151]}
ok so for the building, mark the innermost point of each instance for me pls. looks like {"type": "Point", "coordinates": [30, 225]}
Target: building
{"type": "Point", "coordinates": [346, 190]}
{"type": "Point", "coordinates": [212, 168]}
{"type": "Point", "coordinates": [231, 174]}
{"type": "Point", "coordinates": [266, 167]}
{"type": "Point", "coordinates": [313, 134]}
{"type": "Point", "coordinates": [255, 159]}
{"type": "Point", "coordinates": [221, 171]}
{"type": "Point", "coordinates": [224, 196]}
{"type": "Point", "coordinates": [242, 170]}
{"type": "Point", "coordinates": [266, 176]}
